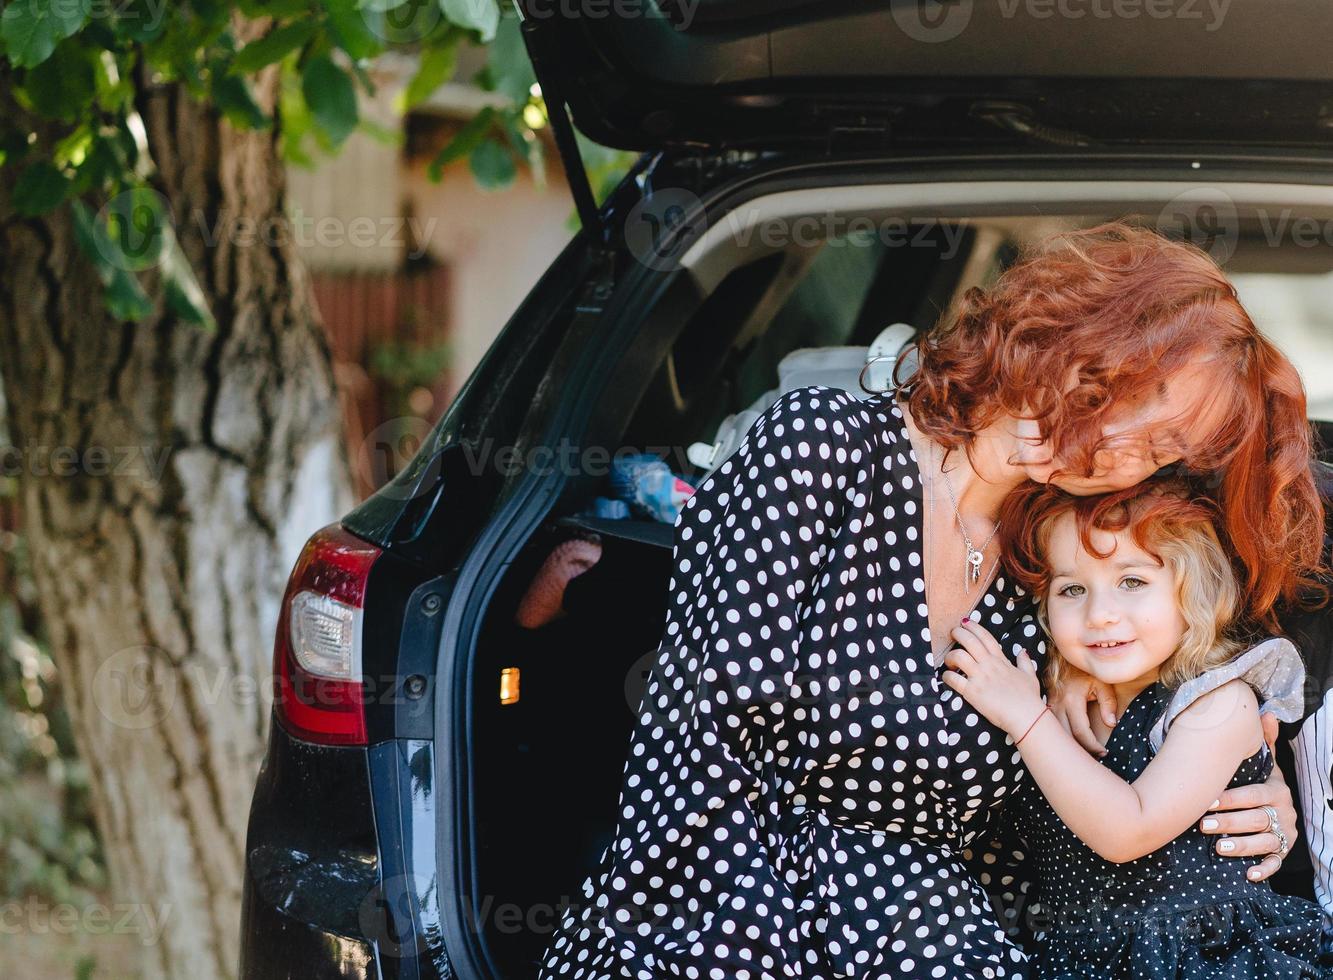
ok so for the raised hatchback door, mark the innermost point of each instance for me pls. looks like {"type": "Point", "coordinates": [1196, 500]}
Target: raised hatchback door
{"type": "Point", "coordinates": [644, 74]}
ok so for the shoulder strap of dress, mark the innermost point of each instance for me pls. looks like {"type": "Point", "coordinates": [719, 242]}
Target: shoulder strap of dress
{"type": "Point", "coordinates": [1274, 669]}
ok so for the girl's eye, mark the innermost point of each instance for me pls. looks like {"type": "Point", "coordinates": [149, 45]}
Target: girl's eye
{"type": "Point", "coordinates": [1133, 582]}
{"type": "Point", "coordinates": [1072, 590]}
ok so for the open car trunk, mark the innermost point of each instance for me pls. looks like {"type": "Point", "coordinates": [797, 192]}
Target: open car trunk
{"type": "Point", "coordinates": [549, 753]}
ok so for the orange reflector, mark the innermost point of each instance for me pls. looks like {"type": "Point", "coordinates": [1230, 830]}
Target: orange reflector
{"type": "Point", "coordinates": [508, 685]}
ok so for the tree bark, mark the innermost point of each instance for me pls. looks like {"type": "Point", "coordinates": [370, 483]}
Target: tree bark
{"type": "Point", "coordinates": [198, 464]}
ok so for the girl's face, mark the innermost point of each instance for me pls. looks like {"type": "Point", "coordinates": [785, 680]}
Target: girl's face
{"type": "Point", "coordinates": [1115, 618]}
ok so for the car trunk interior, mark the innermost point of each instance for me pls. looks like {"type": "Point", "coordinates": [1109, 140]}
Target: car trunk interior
{"type": "Point", "coordinates": [546, 796]}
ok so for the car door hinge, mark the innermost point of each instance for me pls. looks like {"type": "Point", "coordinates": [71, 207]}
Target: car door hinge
{"type": "Point", "coordinates": [597, 290]}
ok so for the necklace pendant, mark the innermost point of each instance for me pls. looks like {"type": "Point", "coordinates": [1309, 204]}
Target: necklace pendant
{"type": "Point", "coordinates": [974, 559]}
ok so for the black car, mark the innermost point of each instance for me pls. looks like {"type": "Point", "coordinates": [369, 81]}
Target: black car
{"type": "Point", "coordinates": [439, 778]}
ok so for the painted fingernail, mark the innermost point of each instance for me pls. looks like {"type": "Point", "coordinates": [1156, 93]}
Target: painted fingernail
{"type": "Point", "coordinates": [1227, 845]}
{"type": "Point", "coordinates": [1210, 824]}
{"type": "Point", "coordinates": [1253, 874]}
{"type": "Point", "coordinates": [1215, 804]}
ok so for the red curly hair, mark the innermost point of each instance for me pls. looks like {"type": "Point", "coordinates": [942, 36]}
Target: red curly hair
{"type": "Point", "coordinates": [1152, 511]}
{"type": "Point", "coordinates": [1104, 317]}
{"type": "Point", "coordinates": [1167, 517]}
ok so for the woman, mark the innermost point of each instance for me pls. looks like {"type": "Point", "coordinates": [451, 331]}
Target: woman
{"type": "Point", "coordinates": [803, 796]}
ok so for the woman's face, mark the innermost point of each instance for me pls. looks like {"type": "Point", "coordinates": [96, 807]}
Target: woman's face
{"type": "Point", "coordinates": [1143, 438]}
{"type": "Point", "coordinates": [1116, 618]}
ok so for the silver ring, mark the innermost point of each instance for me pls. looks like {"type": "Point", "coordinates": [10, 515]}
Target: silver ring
{"type": "Point", "coordinates": [1275, 828]}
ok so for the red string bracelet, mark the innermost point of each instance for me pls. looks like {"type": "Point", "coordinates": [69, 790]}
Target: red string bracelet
{"type": "Point", "coordinates": [1043, 711]}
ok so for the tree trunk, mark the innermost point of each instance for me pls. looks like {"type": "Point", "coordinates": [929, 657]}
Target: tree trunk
{"type": "Point", "coordinates": [169, 476]}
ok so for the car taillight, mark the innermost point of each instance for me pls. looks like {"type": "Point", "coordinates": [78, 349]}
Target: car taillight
{"type": "Point", "coordinates": [317, 676]}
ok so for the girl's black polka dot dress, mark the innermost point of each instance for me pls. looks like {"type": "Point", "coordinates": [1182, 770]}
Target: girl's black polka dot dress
{"type": "Point", "coordinates": [1183, 912]}
{"type": "Point", "coordinates": [802, 791]}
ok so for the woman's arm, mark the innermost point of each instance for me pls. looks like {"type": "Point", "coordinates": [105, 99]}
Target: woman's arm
{"type": "Point", "coordinates": [1118, 820]}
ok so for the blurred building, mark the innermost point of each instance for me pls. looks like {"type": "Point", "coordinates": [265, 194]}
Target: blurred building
{"type": "Point", "coordinates": [414, 278]}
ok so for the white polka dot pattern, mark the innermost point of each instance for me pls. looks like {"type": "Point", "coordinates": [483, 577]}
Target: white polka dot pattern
{"type": "Point", "coordinates": [802, 791]}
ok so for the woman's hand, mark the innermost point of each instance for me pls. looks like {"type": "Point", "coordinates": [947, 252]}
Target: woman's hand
{"type": "Point", "coordinates": [1008, 696]}
{"type": "Point", "coordinates": [1069, 703]}
{"type": "Point", "coordinates": [1243, 829]}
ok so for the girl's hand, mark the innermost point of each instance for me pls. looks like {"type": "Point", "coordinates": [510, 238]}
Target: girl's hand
{"type": "Point", "coordinates": [1069, 703]}
{"type": "Point", "coordinates": [1009, 696]}
{"type": "Point", "coordinates": [1245, 825]}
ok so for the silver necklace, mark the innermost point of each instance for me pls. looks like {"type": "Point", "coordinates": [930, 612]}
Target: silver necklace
{"type": "Point", "coordinates": [975, 556]}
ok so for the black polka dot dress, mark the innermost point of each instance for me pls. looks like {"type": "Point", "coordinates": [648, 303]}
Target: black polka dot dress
{"type": "Point", "coordinates": [802, 792]}
{"type": "Point", "coordinates": [1182, 912]}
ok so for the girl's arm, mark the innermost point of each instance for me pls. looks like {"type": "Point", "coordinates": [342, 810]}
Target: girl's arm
{"type": "Point", "coordinates": [1123, 821]}
{"type": "Point", "coordinates": [1118, 820]}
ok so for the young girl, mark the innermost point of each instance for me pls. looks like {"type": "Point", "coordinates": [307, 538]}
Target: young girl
{"type": "Point", "coordinates": [1135, 589]}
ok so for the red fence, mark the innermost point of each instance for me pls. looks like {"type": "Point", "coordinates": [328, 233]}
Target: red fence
{"type": "Point", "coordinates": [388, 333]}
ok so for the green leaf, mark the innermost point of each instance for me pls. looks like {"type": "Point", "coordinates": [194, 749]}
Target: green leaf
{"type": "Point", "coordinates": [332, 99]}
{"type": "Point", "coordinates": [139, 21]}
{"type": "Point", "coordinates": [232, 96]}
{"type": "Point", "coordinates": [72, 149]}
{"type": "Point", "coordinates": [482, 16]}
{"type": "Point", "coordinates": [273, 8]}
{"type": "Point", "coordinates": [351, 30]}
{"type": "Point", "coordinates": [493, 166]}
{"type": "Point", "coordinates": [184, 296]}
{"type": "Point", "coordinates": [102, 163]}
{"type": "Point", "coordinates": [39, 189]}
{"type": "Point", "coordinates": [273, 46]}
{"type": "Point", "coordinates": [510, 68]}
{"type": "Point", "coordinates": [62, 86]}
{"type": "Point", "coordinates": [363, 76]}
{"type": "Point", "coordinates": [135, 226]}
{"type": "Point", "coordinates": [14, 145]}
{"type": "Point", "coordinates": [437, 67]}
{"type": "Point", "coordinates": [31, 28]}
{"type": "Point", "coordinates": [296, 121]}
{"type": "Point", "coordinates": [114, 90]}
{"type": "Point", "coordinates": [525, 144]}
{"type": "Point", "coordinates": [464, 142]}
{"type": "Point", "coordinates": [125, 298]}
